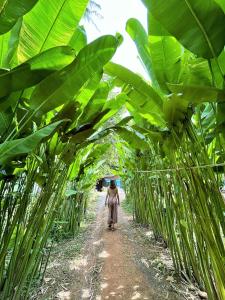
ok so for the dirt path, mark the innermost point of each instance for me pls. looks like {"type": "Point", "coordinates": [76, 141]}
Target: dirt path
{"type": "Point", "coordinates": [116, 254]}
{"type": "Point", "coordinates": [120, 277]}
{"type": "Point", "coordinates": [111, 265]}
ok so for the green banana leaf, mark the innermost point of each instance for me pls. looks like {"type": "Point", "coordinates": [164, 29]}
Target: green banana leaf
{"type": "Point", "coordinates": [166, 55]}
{"type": "Point", "coordinates": [96, 104]}
{"type": "Point", "coordinates": [125, 121]}
{"type": "Point", "coordinates": [5, 120]}
{"type": "Point", "coordinates": [81, 156]}
{"type": "Point", "coordinates": [199, 25]}
{"type": "Point", "coordinates": [221, 3]}
{"type": "Point", "coordinates": [161, 55]}
{"type": "Point", "coordinates": [11, 149]}
{"type": "Point", "coordinates": [197, 94]}
{"type": "Point", "coordinates": [49, 24]}
{"type": "Point", "coordinates": [86, 93]}
{"type": "Point", "coordinates": [11, 11]}
{"type": "Point", "coordinates": [135, 141]}
{"type": "Point", "coordinates": [78, 39]}
{"type": "Point", "coordinates": [175, 109]}
{"type": "Point", "coordinates": [137, 32]}
{"type": "Point", "coordinates": [154, 136]}
{"type": "Point", "coordinates": [146, 109]}
{"type": "Point", "coordinates": [195, 71]}
{"type": "Point", "coordinates": [10, 58]}
{"type": "Point", "coordinates": [81, 136]}
{"type": "Point", "coordinates": [126, 77]}
{"type": "Point", "coordinates": [4, 41]}
{"type": "Point", "coordinates": [155, 28]}
{"type": "Point", "coordinates": [60, 87]}
{"type": "Point", "coordinates": [98, 151]}
{"type": "Point", "coordinates": [34, 70]}
{"type": "Point", "coordinates": [113, 105]}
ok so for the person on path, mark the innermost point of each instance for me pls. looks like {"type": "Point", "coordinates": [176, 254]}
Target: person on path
{"type": "Point", "coordinates": [112, 199]}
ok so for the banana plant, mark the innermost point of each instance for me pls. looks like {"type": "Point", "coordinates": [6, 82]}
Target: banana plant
{"type": "Point", "coordinates": [176, 113]}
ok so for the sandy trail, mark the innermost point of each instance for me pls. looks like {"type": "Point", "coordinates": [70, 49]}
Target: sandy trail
{"type": "Point", "coordinates": [120, 277]}
{"type": "Point", "coordinates": [110, 265]}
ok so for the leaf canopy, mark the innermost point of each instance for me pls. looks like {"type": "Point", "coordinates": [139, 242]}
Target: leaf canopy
{"type": "Point", "coordinates": [189, 22]}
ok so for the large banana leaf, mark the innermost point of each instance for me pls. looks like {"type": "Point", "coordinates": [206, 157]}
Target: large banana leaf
{"type": "Point", "coordinates": [96, 104]}
{"type": "Point", "coordinates": [144, 93]}
{"type": "Point", "coordinates": [10, 58]}
{"type": "Point", "coordinates": [4, 41]}
{"type": "Point", "coordinates": [195, 71]}
{"type": "Point", "coordinates": [198, 24]}
{"type": "Point", "coordinates": [78, 39]}
{"type": "Point", "coordinates": [221, 3]}
{"type": "Point", "coordinates": [5, 120]}
{"type": "Point", "coordinates": [11, 149]}
{"type": "Point", "coordinates": [140, 37]}
{"type": "Point", "coordinates": [175, 109]}
{"type": "Point", "coordinates": [127, 77]}
{"type": "Point", "coordinates": [197, 94]}
{"type": "Point", "coordinates": [166, 57]}
{"type": "Point", "coordinates": [135, 141]}
{"type": "Point", "coordinates": [34, 70]}
{"type": "Point", "coordinates": [83, 98]}
{"type": "Point", "coordinates": [89, 89]}
{"type": "Point", "coordinates": [146, 109]}
{"type": "Point", "coordinates": [113, 105]}
{"type": "Point", "coordinates": [160, 54]}
{"type": "Point", "coordinates": [49, 24]}
{"type": "Point", "coordinates": [166, 53]}
{"type": "Point", "coordinates": [155, 28]}
{"type": "Point", "coordinates": [11, 11]}
{"type": "Point", "coordinates": [61, 86]}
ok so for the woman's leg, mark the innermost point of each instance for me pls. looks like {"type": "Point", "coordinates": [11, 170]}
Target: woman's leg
{"type": "Point", "coordinates": [112, 216]}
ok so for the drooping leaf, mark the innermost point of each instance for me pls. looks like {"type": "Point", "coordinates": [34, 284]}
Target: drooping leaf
{"type": "Point", "coordinates": [35, 69]}
{"type": "Point", "coordinates": [197, 94]}
{"type": "Point", "coordinates": [134, 140]}
{"type": "Point", "coordinates": [70, 192]}
{"type": "Point", "coordinates": [153, 135]}
{"type": "Point", "coordinates": [96, 104]}
{"type": "Point", "coordinates": [4, 43]}
{"type": "Point", "coordinates": [146, 108]}
{"type": "Point", "coordinates": [175, 109]}
{"type": "Point", "coordinates": [125, 121]}
{"type": "Point", "coordinates": [113, 105]}
{"type": "Point", "coordinates": [140, 37]}
{"type": "Point", "coordinates": [125, 76]}
{"type": "Point", "coordinates": [221, 3]}
{"type": "Point", "coordinates": [155, 28]}
{"type": "Point", "coordinates": [166, 53]}
{"type": "Point", "coordinates": [198, 24]}
{"type": "Point", "coordinates": [88, 90]}
{"type": "Point", "coordinates": [11, 11]}
{"type": "Point", "coordinates": [195, 71]}
{"type": "Point", "coordinates": [5, 120]}
{"type": "Point", "coordinates": [11, 149]}
{"type": "Point", "coordinates": [49, 24]}
{"type": "Point", "coordinates": [81, 136]}
{"type": "Point", "coordinates": [78, 39]}
{"type": "Point", "coordinates": [10, 58]}
{"type": "Point", "coordinates": [61, 86]}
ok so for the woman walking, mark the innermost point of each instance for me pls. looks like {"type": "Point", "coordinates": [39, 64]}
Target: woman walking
{"type": "Point", "coordinates": [112, 198]}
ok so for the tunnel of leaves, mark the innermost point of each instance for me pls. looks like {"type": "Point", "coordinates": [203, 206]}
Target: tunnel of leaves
{"type": "Point", "coordinates": [68, 116]}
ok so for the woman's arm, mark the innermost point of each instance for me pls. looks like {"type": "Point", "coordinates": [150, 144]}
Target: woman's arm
{"type": "Point", "coordinates": [106, 198]}
{"type": "Point", "coordinates": [118, 198]}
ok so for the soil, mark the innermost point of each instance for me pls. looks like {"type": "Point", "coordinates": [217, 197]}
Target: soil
{"type": "Point", "coordinates": [103, 264]}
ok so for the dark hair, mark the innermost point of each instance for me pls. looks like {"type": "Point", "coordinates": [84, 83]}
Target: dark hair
{"type": "Point", "coordinates": [112, 184]}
